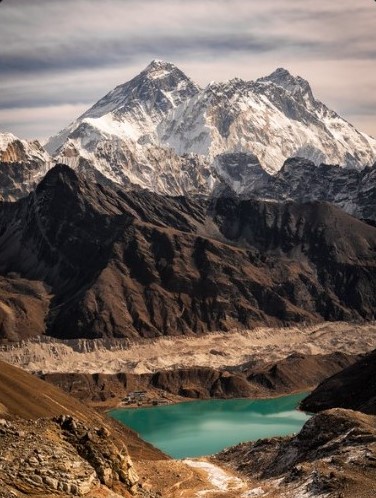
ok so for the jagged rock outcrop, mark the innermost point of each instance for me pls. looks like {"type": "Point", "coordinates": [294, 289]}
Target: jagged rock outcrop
{"type": "Point", "coordinates": [333, 455]}
{"type": "Point", "coordinates": [125, 264]}
{"type": "Point", "coordinates": [354, 387]}
{"type": "Point", "coordinates": [34, 459]}
{"type": "Point", "coordinates": [110, 464]}
{"type": "Point", "coordinates": [22, 165]}
{"type": "Point", "coordinates": [53, 445]}
{"type": "Point", "coordinates": [300, 180]}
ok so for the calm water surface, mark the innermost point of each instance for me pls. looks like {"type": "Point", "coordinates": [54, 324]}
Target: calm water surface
{"type": "Point", "coordinates": [204, 427]}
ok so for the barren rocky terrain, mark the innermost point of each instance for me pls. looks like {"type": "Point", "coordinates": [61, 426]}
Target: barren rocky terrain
{"type": "Point", "coordinates": [354, 388]}
{"type": "Point", "coordinates": [101, 262]}
{"type": "Point", "coordinates": [51, 445]}
{"type": "Point", "coordinates": [334, 455]}
{"type": "Point", "coordinates": [256, 363]}
{"type": "Point", "coordinates": [216, 350]}
{"type": "Point", "coordinates": [105, 291]}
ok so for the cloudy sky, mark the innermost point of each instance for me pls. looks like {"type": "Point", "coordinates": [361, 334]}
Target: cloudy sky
{"type": "Point", "coordinates": [58, 57]}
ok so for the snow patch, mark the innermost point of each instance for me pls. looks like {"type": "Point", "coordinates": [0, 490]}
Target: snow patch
{"type": "Point", "coordinates": [144, 130]}
{"type": "Point", "coordinates": [220, 479]}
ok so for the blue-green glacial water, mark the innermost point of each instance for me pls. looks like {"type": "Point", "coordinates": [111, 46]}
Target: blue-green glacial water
{"type": "Point", "coordinates": [204, 427]}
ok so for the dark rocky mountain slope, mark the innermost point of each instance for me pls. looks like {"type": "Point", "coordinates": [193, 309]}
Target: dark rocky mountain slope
{"type": "Point", "coordinates": [354, 388]}
{"type": "Point", "coordinates": [300, 180]}
{"type": "Point", "coordinates": [129, 264]}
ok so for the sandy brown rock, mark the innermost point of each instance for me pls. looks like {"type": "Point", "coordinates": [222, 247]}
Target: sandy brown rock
{"type": "Point", "coordinates": [23, 308]}
{"type": "Point", "coordinates": [295, 373]}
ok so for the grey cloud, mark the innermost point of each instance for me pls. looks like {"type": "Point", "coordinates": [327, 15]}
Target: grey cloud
{"type": "Point", "coordinates": [45, 43]}
{"type": "Point", "coordinates": [93, 53]}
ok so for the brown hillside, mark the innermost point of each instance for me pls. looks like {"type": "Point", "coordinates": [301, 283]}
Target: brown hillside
{"type": "Point", "coordinates": [131, 264]}
{"type": "Point", "coordinates": [354, 387]}
{"type": "Point", "coordinates": [24, 395]}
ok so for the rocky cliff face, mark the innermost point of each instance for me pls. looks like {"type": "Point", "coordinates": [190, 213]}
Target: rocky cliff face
{"type": "Point", "coordinates": [22, 165]}
{"type": "Point", "coordinates": [124, 264]}
{"type": "Point", "coordinates": [299, 180]}
{"type": "Point", "coordinates": [354, 388]}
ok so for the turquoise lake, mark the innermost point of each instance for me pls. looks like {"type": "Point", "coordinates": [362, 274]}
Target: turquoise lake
{"type": "Point", "coordinates": [200, 428]}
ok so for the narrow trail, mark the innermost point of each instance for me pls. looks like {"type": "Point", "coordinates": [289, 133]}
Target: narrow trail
{"type": "Point", "coordinates": [222, 481]}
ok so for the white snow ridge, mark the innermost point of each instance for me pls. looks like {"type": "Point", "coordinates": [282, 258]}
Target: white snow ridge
{"type": "Point", "coordinates": [162, 132]}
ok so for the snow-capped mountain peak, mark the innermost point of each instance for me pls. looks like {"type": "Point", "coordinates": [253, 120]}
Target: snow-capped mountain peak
{"type": "Point", "coordinates": [282, 77]}
{"type": "Point", "coordinates": [132, 110]}
{"type": "Point", "coordinates": [15, 150]}
{"type": "Point", "coordinates": [159, 87]}
{"type": "Point", "coordinates": [158, 69]}
{"type": "Point", "coordinates": [23, 164]}
{"type": "Point", "coordinates": [296, 86]}
{"type": "Point", "coordinates": [163, 132]}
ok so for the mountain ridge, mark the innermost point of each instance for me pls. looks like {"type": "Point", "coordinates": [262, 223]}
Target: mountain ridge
{"type": "Point", "coordinates": [162, 132]}
{"type": "Point", "coordinates": [123, 263]}
{"type": "Point", "coordinates": [23, 165]}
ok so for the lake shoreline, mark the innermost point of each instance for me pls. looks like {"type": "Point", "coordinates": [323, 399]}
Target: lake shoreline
{"type": "Point", "coordinates": [120, 406]}
{"type": "Point", "coordinates": [204, 427]}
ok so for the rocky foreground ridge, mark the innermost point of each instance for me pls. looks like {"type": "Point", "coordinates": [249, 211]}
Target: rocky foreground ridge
{"type": "Point", "coordinates": [78, 259]}
{"type": "Point", "coordinates": [62, 456]}
{"type": "Point", "coordinates": [334, 455]}
{"type": "Point", "coordinates": [53, 445]}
